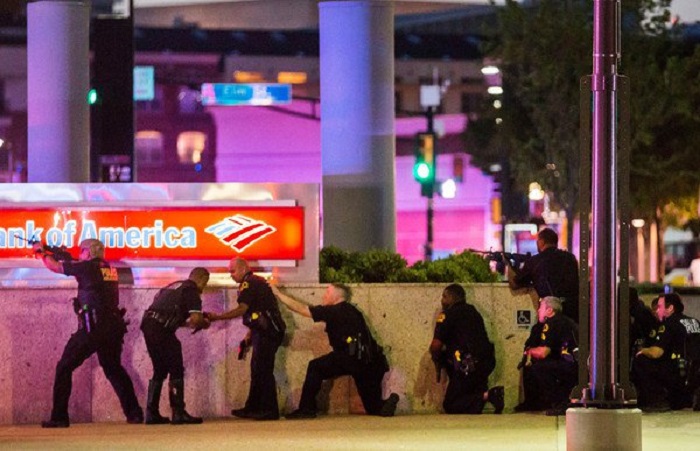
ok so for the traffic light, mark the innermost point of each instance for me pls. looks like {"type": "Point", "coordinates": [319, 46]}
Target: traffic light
{"type": "Point", "coordinates": [93, 97]}
{"type": "Point", "coordinates": [424, 167]}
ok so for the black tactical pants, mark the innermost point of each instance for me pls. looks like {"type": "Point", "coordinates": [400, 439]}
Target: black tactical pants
{"type": "Point", "coordinates": [548, 383]}
{"type": "Point", "coordinates": [107, 343]}
{"type": "Point", "coordinates": [367, 377]}
{"type": "Point", "coordinates": [658, 381]}
{"type": "Point", "coordinates": [165, 350]}
{"type": "Point", "coordinates": [465, 393]}
{"type": "Point", "coordinates": [262, 395]}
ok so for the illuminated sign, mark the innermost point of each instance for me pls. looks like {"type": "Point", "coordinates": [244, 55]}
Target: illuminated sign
{"type": "Point", "coordinates": [144, 83]}
{"type": "Point", "coordinates": [242, 94]}
{"type": "Point", "coordinates": [177, 233]}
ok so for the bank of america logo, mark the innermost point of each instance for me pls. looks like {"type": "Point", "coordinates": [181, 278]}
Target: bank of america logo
{"type": "Point", "coordinates": [239, 231]}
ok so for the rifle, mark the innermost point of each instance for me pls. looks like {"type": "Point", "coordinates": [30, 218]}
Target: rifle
{"type": "Point", "coordinates": [60, 254]}
{"type": "Point", "coordinates": [513, 258]}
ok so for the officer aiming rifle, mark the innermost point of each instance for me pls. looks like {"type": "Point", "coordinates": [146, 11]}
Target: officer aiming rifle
{"type": "Point", "coordinates": [515, 260]}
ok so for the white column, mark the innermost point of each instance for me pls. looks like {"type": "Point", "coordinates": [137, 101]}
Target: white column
{"type": "Point", "coordinates": [58, 81]}
{"type": "Point", "coordinates": [357, 123]}
{"type": "Point", "coordinates": [641, 256]}
{"type": "Point", "coordinates": [653, 253]}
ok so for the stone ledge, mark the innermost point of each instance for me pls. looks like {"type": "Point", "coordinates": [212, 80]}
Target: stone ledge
{"type": "Point", "coordinates": [37, 323]}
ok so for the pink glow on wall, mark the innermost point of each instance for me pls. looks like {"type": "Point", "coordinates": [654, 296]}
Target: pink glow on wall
{"type": "Point", "coordinates": [265, 145]}
{"type": "Point", "coordinates": [268, 145]}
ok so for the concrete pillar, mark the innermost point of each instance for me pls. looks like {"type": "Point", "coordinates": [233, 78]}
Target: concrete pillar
{"type": "Point", "coordinates": [58, 81]}
{"type": "Point", "coordinates": [357, 124]}
{"type": "Point", "coordinates": [589, 429]}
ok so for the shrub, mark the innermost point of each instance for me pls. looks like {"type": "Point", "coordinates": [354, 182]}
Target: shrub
{"type": "Point", "coordinates": [381, 266]}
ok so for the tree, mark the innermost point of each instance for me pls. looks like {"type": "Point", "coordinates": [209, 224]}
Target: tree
{"type": "Point", "coordinates": [542, 55]}
{"type": "Point", "coordinates": [543, 52]}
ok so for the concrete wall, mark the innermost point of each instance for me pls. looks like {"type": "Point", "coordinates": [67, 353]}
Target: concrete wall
{"type": "Point", "coordinates": [36, 323]}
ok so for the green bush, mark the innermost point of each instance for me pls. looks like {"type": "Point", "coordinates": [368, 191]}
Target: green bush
{"type": "Point", "coordinates": [381, 266]}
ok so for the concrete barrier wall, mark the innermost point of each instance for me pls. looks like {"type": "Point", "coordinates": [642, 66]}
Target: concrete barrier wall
{"type": "Point", "coordinates": [36, 323]}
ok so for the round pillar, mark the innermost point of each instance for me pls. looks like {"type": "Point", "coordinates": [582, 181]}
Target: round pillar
{"type": "Point", "coordinates": [58, 81]}
{"type": "Point", "coordinates": [357, 124]}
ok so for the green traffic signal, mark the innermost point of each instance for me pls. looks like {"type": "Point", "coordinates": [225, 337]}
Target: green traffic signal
{"type": "Point", "coordinates": [422, 172]}
{"type": "Point", "coordinates": [424, 167]}
{"type": "Point", "coordinates": [92, 96]}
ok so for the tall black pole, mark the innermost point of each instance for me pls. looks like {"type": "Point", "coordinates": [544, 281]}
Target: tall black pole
{"type": "Point", "coordinates": [603, 330]}
{"type": "Point", "coordinates": [431, 191]}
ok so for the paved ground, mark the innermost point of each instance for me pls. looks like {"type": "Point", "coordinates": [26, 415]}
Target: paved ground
{"type": "Point", "coordinates": [667, 431]}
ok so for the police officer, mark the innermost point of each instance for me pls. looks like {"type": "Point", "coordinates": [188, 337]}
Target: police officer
{"type": "Point", "coordinates": [551, 272]}
{"type": "Point", "coordinates": [258, 307]}
{"type": "Point", "coordinates": [355, 353]}
{"type": "Point", "coordinates": [175, 305]}
{"type": "Point", "coordinates": [658, 370]}
{"type": "Point", "coordinates": [101, 330]}
{"type": "Point", "coordinates": [550, 368]}
{"type": "Point", "coordinates": [461, 345]}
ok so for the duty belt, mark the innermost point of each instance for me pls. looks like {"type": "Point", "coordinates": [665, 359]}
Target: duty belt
{"type": "Point", "coordinates": [168, 320]}
{"type": "Point", "coordinates": [159, 317]}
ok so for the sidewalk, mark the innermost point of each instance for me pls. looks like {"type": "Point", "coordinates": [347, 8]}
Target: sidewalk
{"type": "Point", "coordinates": [667, 431]}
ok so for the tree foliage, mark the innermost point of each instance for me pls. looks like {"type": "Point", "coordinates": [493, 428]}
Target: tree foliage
{"type": "Point", "coordinates": [542, 53]}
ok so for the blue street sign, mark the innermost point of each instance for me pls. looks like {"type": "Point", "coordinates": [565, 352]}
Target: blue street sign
{"type": "Point", "coordinates": [238, 94]}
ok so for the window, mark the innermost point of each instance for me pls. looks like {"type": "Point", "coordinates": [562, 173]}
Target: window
{"type": "Point", "coordinates": [149, 148]}
{"type": "Point", "coordinates": [294, 78]}
{"type": "Point", "coordinates": [190, 146]}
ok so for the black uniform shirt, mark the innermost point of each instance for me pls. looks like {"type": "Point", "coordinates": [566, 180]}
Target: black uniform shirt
{"type": "Point", "coordinates": [98, 283]}
{"type": "Point", "coordinates": [560, 334]}
{"type": "Point", "coordinates": [670, 336]}
{"type": "Point", "coordinates": [552, 272]}
{"type": "Point", "coordinates": [257, 295]}
{"type": "Point", "coordinates": [342, 320]}
{"type": "Point", "coordinates": [692, 338]}
{"type": "Point", "coordinates": [461, 327]}
{"type": "Point", "coordinates": [179, 298]}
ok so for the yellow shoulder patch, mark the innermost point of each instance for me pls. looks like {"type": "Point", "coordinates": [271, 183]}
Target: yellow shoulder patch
{"type": "Point", "coordinates": [109, 274]}
{"type": "Point", "coordinates": [440, 318]}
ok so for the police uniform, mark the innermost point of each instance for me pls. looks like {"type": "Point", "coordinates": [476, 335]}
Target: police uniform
{"type": "Point", "coordinates": [468, 357]}
{"type": "Point", "coordinates": [552, 272]}
{"type": "Point", "coordinates": [661, 381]}
{"type": "Point", "coordinates": [170, 310]}
{"type": "Point", "coordinates": [548, 382]}
{"type": "Point", "coordinates": [267, 329]}
{"type": "Point", "coordinates": [101, 330]}
{"type": "Point", "coordinates": [355, 353]}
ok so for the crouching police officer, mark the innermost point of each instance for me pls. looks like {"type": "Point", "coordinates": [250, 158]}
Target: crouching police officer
{"type": "Point", "coordinates": [101, 330]}
{"type": "Point", "coordinates": [461, 345]}
{"type": "Point", "coordinates": [355, 353]}
{"type": "Point", "coordinates": [175, 305]}
{"type": "Point", "coordinates": [659, 370]}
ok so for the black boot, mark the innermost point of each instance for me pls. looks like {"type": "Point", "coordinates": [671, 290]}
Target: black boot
{"type": "Point", "coordinates": [153, 415]}
{"type": "Point", "coordinates": [177, 404]}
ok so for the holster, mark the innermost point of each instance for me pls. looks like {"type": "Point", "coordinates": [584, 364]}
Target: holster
{"type": "Point", "coordinates": [265, 322]}
{"type": "Point", "coordinates": [87, 319]}
{"type": "Point", "coordinates": [464, 363]}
